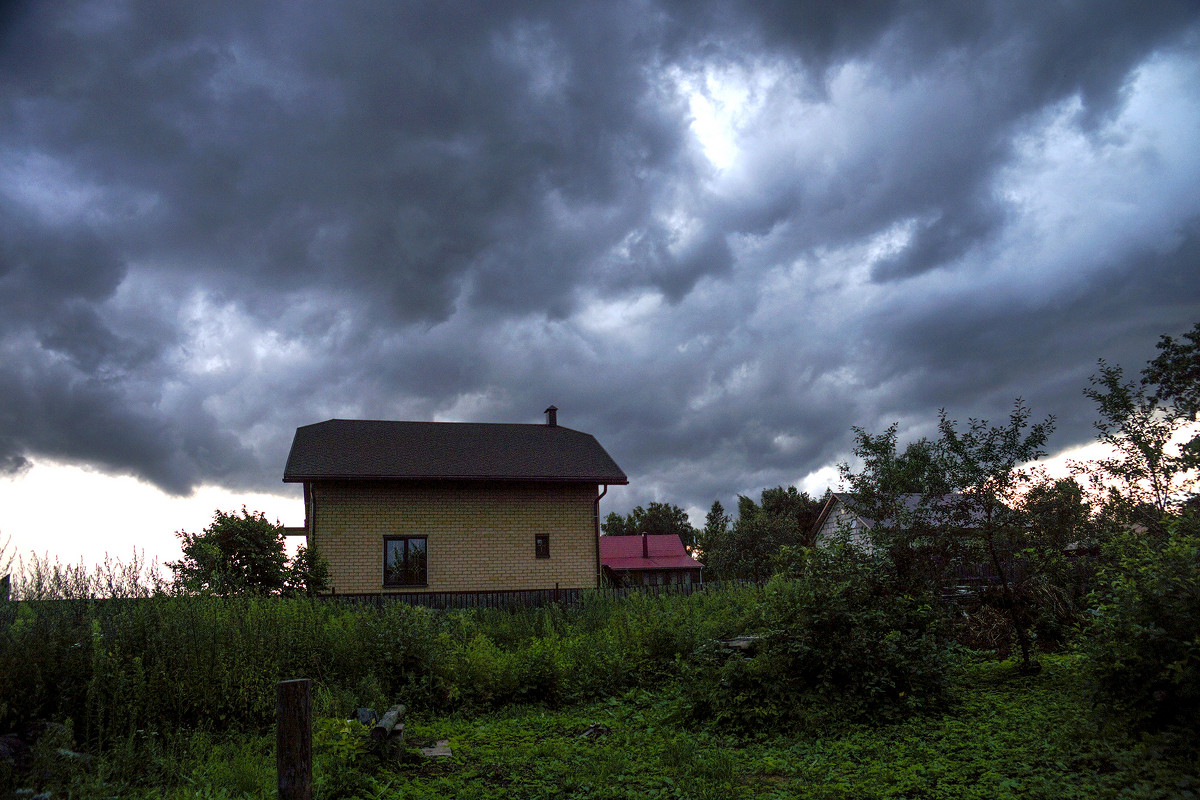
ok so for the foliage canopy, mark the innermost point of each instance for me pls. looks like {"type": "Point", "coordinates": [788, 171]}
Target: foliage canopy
{"type": "Point", "coordinates": [658, 519]}
{"type": "Point", "coordinates": [750, 548]}
{"type": "Point", "coordinates": [244, 554]}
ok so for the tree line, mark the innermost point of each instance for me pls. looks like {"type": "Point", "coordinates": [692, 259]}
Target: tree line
{"type": "Point", "coordinates": [747, 547]}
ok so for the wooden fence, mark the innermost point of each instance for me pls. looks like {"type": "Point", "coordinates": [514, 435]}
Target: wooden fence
{"type": "Point", "coordinates": [516, 599]}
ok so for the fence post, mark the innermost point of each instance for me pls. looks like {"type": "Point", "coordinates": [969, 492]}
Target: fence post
{"type": "Point", "coordinates": [293, 739]}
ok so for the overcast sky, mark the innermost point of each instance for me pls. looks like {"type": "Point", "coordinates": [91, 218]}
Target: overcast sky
{"type": "Point", "coordinates": [715, 235]}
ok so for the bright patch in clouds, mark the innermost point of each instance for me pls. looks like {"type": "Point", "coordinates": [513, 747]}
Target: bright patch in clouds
{"type": "Point", "coordinates": [723, 101]}
{"type": "Point", "coordinates": [621, 316]}
{"type": "Point", "coordinates": [1097, 196]}
{"type": "Point", "coordinates": [75, 513]}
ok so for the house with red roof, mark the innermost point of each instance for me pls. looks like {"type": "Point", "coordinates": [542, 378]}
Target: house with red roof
{"type": "Point", "coordinates": [648, 560]}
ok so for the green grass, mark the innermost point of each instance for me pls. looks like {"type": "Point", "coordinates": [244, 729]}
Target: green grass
{"type": "Point", "coordinates": [1004, 736]}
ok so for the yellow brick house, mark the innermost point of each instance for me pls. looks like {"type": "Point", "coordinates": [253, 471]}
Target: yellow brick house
{"type": "Point", "coordinates": [452, 507]}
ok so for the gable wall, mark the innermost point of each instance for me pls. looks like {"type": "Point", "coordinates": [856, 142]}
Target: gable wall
{"type": "Point", "coordinates": [480, 536]}
{"type": "Point", "coordinates": [841, 519]}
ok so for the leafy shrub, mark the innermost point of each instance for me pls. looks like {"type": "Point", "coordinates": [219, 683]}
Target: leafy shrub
{"type": "Point", "coordinates": [485, 674]}
{"type": "Point", "coordinates": [339, 754]}
{"type": "Point", "coordinates": [838, 643]}
{"type": "Point", "coordinates": [1144, 643]}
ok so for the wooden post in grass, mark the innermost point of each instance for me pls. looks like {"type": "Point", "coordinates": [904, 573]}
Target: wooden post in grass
{"type": "Point", "coordinates": [293, 739]}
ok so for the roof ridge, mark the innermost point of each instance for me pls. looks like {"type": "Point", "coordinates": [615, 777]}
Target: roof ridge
{"type": "Point", "coordinates": [439, 422]}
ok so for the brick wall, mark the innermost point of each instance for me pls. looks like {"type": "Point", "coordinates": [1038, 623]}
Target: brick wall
{"type": "Point", "coordinates": [480, 537]}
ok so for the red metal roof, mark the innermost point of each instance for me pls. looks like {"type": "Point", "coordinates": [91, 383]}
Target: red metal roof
{"type": "Point", "coordinates": [666, 551]}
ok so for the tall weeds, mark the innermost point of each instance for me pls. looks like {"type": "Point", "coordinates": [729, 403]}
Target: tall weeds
{"type": "Point", "coordinates": [137, 660]}
{"type": "Point", "coordinates": [40, 578]}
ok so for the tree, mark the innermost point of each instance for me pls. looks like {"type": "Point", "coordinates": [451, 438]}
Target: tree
{"type": "Point", "coordinates": [6, 560]}
{"type": "Point", "coordinates": [244, 554]}
{"type": "Point", "coordinates": [985, 466]}
{"type": "Point", "coordinates": [952, 501]}
{"type": "Point", "coordinates": [712, 536]}
{"type": "Point", "coordinates": [897, 491]}
{"type": "Point", "coordinates": [1176, 373]}
{"type": "Point", "coordinates": [1175, 376]}
{"type": "Point", "coordinates": [799, 510]}
{"type": "Point", "coordinates": [750, 548]}
{"type": "Point", "coordinates": [1143, 643]}
{"type": "Point", "coordinates": [716, 522]}
{"type": "Point", "coordinates": [658, 519]}
{"type": "Point", "coordinates": [886, 478]}
{"type": "Point", "coordinates": [616, 525]}
{"type": "Point", "coordinates": [307, 574]}
{"type": "Point", "coordinates": [1060, 552]}
{"type": "Point", "coordinates": [1058, 511]}
{"type": "Point", "coordinates": [1146, 468]}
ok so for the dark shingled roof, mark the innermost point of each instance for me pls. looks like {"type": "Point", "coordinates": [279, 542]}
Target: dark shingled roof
{"type": "Point", "coordinates": [912, 502]}
{"type": "Point", "coordinates": [350, 449]}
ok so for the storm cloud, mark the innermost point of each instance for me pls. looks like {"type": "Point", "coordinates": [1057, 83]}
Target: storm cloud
{"type": "Point", "coordinates": [715, 235]}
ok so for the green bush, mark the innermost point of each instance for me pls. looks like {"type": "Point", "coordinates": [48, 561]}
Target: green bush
{"type": "Point", "coordinates": [839, 642]}
{"type": "Point", "coordinates": [340, 756]}
{"type": "Point", "coordinates": [1144, 642]}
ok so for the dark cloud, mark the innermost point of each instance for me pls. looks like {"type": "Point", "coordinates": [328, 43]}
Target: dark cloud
{"type": "Point", "coordinates": [714, 234]}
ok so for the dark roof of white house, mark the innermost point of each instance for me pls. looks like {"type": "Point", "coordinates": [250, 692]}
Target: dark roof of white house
{"type": "Point", "coordinates": [348, 449]}
{"type": "Point", "coordinates": [911, 503]}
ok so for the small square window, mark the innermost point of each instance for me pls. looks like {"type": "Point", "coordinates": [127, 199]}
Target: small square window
{"type": "Point", "coordinates": [541, 545]}
{"type": "Point", "coordinates": [405, 562]}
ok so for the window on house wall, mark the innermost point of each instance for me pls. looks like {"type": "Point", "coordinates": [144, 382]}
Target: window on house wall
{"type": "Point", "coordinates": [405, 562]}
{"type": "Point", "coordinates": [541, 545]}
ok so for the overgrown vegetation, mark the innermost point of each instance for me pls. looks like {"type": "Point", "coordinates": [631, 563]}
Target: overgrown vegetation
{"type": "Point", "coordinates": [1000, 736]}
{"type": "Point", "coordinates": [839, 642]}
{"type": "Point", "coordinates": [1143, 641]}
{"type": "Point", "coordinates": [115, 667]}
